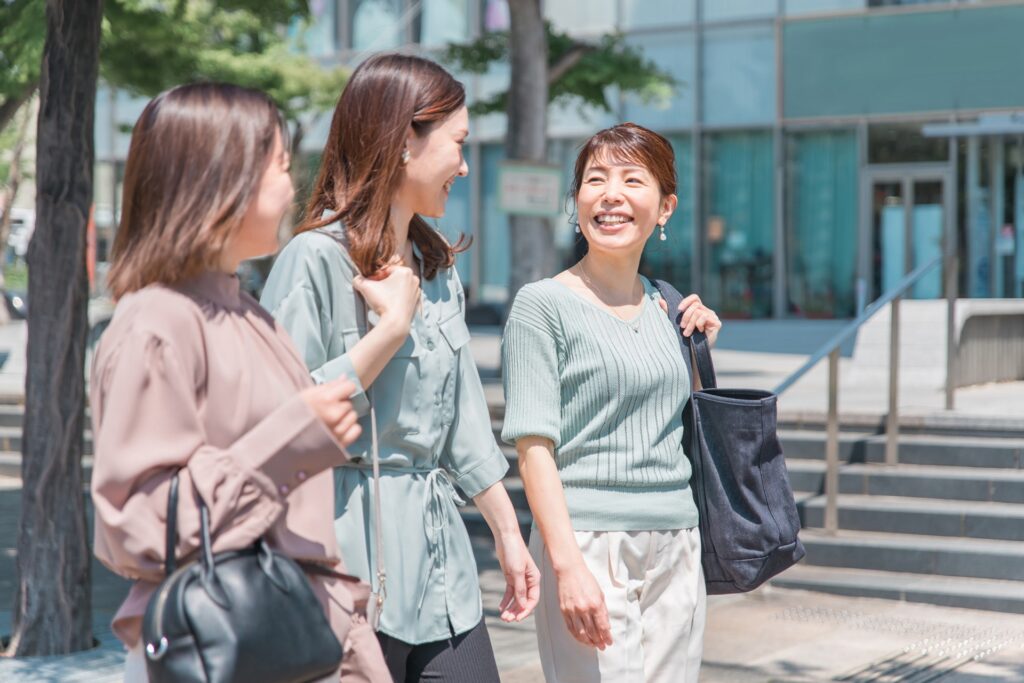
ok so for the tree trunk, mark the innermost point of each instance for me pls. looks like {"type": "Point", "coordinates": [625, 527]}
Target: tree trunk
{"type": "Point", "coordinates": [53, 603]}
{"type": "Point", "coordinates": [532, 240]}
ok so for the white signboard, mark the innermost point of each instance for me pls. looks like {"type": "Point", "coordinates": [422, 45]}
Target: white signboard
{"type": "Point", "coordinates": [530, 189]}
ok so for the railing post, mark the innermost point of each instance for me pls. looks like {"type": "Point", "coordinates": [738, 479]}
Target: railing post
{"type": "Point", "coordinates": [951, 286]}
{"type": "Point", "coordinates": [832, 446]}
{"type": "Point", "coordinates": [892, 423]}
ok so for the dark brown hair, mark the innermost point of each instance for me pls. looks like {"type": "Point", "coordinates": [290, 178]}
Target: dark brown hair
{"type": "Point", "coordinates": [361, 167]}
{"type": "Point", "coordinates": [633, 144]}
{"type": "Point", "coordinates": [196, 157]}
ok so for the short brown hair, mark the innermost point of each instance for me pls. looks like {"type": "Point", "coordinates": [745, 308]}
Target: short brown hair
{"type": "Point", "coordinates": [629, 143]}
{"type": "Point", "coordinates": [361, 167]}
{"type": "Point", "coordinates": [196, 157]}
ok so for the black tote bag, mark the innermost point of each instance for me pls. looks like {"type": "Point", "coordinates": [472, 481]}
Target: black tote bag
{"type": "Point", "coordinates": [749, 524]}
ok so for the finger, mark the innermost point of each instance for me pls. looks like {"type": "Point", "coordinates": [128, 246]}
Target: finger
{"type": "Point", "coordinates": [519, 585]}
{"type": "Point", "coordinates": [504, 606]}
{"type": "Point", "coordinates": [664, 305]}
{"type": "Point", "coordinates": [593, 633]}
{"type": "Point", "coordinates": [339, 389]}
{"type": "Point", "coordinates": [604, 626]}
{"type": "Point", "coordinates": [700, 321]}
{"type": "Point", "coordinates": [346, 422]}
{"type": "Point", "coordinates": [351, 434]}
{"type": "Point", "coordinates": [689, 301]}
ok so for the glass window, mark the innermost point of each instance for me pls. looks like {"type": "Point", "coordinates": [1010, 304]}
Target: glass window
{"type": "Point", "coordinates": [441, 22]}
{"type": "Point", "coordinates": [675, 53]}
{"type": "Point", "coordinates": [905, 3]}
{"type": "Point", "coordinates": [797, 7]}
{"type": "Point", "coordinates": [376, 24]}
{"type": "Point", "coordinates": [739, 75]}
{"type": "Point", "coordinates": [593, 16]}
{"type": "Point", "coordinates": [671, 259]}
{"type": "Point", "coordinates": [821, 230]}
{"type": "Point", "coordinates": [739, 224]}
{"type": "Point", "coordinates": [719, 10]}
{"type": "Point", "coordinates": [656, 13]}
{"type": "Point", "coordinates": [494, 242]}
{"type": "Point", "coordinates": [898, 143]}
{"type": "Point", "coordinates": [318, 35]}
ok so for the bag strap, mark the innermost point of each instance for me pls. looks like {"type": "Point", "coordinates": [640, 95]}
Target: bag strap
{"type": "Point", "coordinates": [696, 345]}
{"type": "Point", "coordinates": [171, 541]}
{"type": "Point", "coordinates": [378, 534]}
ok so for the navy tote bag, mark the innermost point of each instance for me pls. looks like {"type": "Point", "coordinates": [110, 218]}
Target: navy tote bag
{"type": "Point", "coordinates": [748, 519]}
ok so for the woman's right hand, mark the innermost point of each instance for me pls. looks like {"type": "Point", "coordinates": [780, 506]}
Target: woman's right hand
{"type": "Point", "coordinates": [393, 294]}
{"type": "Point", "coordinates": [330, 402]}
{"type": "Point", "coordinates": [583, 608]}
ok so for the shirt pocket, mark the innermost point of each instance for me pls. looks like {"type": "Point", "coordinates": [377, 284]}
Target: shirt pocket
{"type": "Point", "coordinates": [455, 332]}
{"type": "Point", "coordinates": [396, 391]}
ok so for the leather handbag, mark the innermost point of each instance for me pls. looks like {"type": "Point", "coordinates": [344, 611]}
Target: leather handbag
{"type": "Point", "coordinates": [245, 615]}
{"type": "Point", "coordinates": [749, 524]}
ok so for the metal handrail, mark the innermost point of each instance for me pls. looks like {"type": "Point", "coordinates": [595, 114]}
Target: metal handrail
{"type": "Point", "coordinates": [831, 349]}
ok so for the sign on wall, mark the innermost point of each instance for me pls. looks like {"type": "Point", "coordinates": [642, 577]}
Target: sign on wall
{"type": "Point", "coordinates": [530, 189]}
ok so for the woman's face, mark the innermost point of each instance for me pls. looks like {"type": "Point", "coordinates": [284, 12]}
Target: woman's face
{"type": "Point", "coordinates": [619, 204]}
{"type": "Point", "coordinates": [435, 160]}
{"type": "Point", "coordinates": [257, 236]}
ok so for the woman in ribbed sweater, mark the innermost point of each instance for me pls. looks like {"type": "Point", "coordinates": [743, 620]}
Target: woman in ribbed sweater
{"type": "Point", "coordinates": [595, 388]}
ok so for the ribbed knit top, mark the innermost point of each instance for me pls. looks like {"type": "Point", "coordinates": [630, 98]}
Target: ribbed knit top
{"type": "Point", "coordinates": [610, 394]}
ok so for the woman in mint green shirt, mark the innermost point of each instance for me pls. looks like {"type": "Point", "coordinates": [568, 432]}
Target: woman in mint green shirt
{"type": "Point", "coordinates": [595, 388]}
{"type": "Point", "coordinates": [394, 149]}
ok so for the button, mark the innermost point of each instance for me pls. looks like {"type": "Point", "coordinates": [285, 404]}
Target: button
{"type": "Point", "coordinates": [430, 344]}
{"type": "Point", "coordinates": [301, 475]}
{"type": "Point", "coordinates": [283, 488]}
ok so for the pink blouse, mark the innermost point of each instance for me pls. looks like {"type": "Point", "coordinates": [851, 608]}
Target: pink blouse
{"type": "Point", "coordinates": [199, 377]}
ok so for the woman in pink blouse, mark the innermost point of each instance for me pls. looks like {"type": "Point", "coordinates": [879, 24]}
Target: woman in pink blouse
{"type": "Point", "coordinates": [193, 375]}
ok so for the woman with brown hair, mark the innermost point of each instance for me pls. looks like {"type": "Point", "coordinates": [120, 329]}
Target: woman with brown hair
{"type": "Point", "coordinates": [367, 289]}
{"type": "Point", "coordinates": [193, 378]}
{"type": "Point", "coordinates": [595, 388]}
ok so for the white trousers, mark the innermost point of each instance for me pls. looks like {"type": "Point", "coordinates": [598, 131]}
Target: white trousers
{"type": "Point", "coordinates": [654, 591]}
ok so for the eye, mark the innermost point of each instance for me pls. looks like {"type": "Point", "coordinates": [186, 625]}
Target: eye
{"type": "Point", "coordinates": [594, 179]}
{"type": "Point", "coordinates": [635, 180]}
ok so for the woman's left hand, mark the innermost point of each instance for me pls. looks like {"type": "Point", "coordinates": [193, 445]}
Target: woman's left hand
{"type": "Point", "coordinates": [522, 578]}
{"type": "Point", "coordinates": [698, 316]}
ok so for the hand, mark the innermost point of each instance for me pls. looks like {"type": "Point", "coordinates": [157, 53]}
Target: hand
{"type": "Point", "coordinates": [583, 607]}
{"type": "Point", "coordinates": [329, 401]}
{"type": "Point", "coordinates": [697, 315]}
{"type": "Point", "coordinates": [522, 578]}
{"type": "Point", "coordinates": [393, 293]}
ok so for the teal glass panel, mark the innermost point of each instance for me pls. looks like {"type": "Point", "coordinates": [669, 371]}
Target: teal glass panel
{"type": "Point", "coordinates": [724, 10]}
{"type": "Point", "coordinates": [926, 232]}
{"type": "Point", "coordinates": [443, 21]}
{"type": "Point", "coordinates": [798, 7]}
{"type": "Point", "coordinates": [455, 223]}
{"type": "Point", "coordinates": [675, 53]}
{"type": "Point", "coordinates": [739, 224]}
{"type": "Point", "coordinates": [821, 231]}
{"type": "Point", "coordinates": [317, 35]}
{"type": "Point", "coordinates": [592, 16]}
{"type": "Point", "coordinates": [376, 24]}
{"type": "Point", "coordinates": [672, 259]}
{"type": "Point", "coordinates": [739, 75]}
{"type": "Point", "coordinates": [888, 63]}
{"type": "Point", "coordinates": [494, 272]}
{"type": "Point", "coordinates": [657, 13]}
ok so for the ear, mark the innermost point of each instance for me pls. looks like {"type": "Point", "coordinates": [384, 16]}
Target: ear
{"type": "Point", "coordinates": [413, 142]}
{"type": "Point", "coordinates": [668, 205]}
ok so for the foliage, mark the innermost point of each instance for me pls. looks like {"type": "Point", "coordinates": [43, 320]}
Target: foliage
{"type": "Point", "coordinates": [585, 73]}
{"type": "Point", "coordinates": [21, 52]}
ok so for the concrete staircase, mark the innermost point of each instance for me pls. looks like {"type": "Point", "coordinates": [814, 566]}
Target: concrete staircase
{"type": "Point", "coordinates": [945, 526]}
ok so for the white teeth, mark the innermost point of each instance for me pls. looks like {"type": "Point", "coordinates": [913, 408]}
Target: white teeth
{"type": "Point", "coordinates": [612, 220]}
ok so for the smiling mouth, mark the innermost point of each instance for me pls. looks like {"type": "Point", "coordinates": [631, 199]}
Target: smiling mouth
{"type": "Point", "coordinates": [612, 220]}
{"type": "Point", "coordinates": [448, 186]}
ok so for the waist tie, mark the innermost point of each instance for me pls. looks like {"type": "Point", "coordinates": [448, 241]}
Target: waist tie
{"type": "Point", "coordinates": [440, 489]}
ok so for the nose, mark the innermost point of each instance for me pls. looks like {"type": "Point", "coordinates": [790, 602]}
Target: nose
{"type": "Point", "coordinates": [463, 168]}
{"type": "Point", "coordinates": [612, 192]}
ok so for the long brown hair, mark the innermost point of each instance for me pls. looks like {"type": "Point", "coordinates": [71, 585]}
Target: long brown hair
{"type": "Point", "coordinates": [196, 157]}
{"type": "Point", "coordinates": [361, 167]}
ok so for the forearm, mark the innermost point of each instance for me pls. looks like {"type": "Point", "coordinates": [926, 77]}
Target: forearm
{"type": "Point", "coordinates": [547, 502]}
{"type": "Point", "coordinates": [375, 349]}
{"type": "Point", "coordinates": [497, 509]}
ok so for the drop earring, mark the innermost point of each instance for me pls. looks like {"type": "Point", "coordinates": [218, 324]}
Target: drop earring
{"type": "Point", "coordinates": [405, 156]}
{"type": "Point", "coordinates": [662, 236]}
{"type": "Point", "coordinates": [577, 229]}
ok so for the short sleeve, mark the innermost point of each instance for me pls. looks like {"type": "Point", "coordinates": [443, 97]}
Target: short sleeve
{"type": "Point", "coordinates": [530, 363]}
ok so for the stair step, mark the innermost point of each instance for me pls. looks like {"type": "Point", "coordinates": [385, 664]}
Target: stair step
{"type": "Point", "coordinates": [10, 466]}
{"type": "Point", "coordinates": [967, 557]}
{"type": "Point", "coordinates": [921, 516]}
{"type": "Point", "coordinates": [11, 440]}
{"type": "Point", "coordinates": [914, 481]}
{"type": "Point", "coordinates": [914, 449]}
{"type": "Point", "coordinates": [970, 593]}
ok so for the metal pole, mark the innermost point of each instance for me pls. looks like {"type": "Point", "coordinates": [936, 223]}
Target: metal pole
{"type": "Point", "coordinates": [952, 265]}
{"type": "Point", "coordinates": [832, 446]}
{"type": "Point", "coordinates": [892, 426]}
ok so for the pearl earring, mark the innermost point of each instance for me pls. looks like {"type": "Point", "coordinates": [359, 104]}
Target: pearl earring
{"type": "Point", "coordinates": [577, 229]}
{"type": "Point", "coordinates": [662, 236]}
{"type": "Point", "coordinates": [405, 156]}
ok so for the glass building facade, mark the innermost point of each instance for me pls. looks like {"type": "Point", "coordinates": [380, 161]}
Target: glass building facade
{"type": "Point", "coordinates": [824, 148]}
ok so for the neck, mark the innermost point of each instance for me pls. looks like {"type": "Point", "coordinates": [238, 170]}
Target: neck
{"type": "Point", "coordinates": [614, 274]}
{"type": "Point", "coordinates": [400, 219]}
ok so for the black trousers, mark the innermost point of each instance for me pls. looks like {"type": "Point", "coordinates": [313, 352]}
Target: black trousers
{"type": "Point", "coordinates": [465, 658]}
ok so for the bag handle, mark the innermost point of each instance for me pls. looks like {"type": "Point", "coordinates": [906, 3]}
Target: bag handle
{"type": "Point", "coordinates": [696, 345]}
{"type": "Point", "coordinates": [374, 611]}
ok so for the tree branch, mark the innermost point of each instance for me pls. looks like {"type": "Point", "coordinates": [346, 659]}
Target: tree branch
{"type": "Point", "coordinates": [568, 61]}
{"type": "Point", "coordinates": [10, 106]}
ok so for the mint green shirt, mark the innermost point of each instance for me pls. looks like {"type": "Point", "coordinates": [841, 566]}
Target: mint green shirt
{"type": "Point", "coordinates": [434, 429]}
{"type": "Point", "coordinates": [609, 393]}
